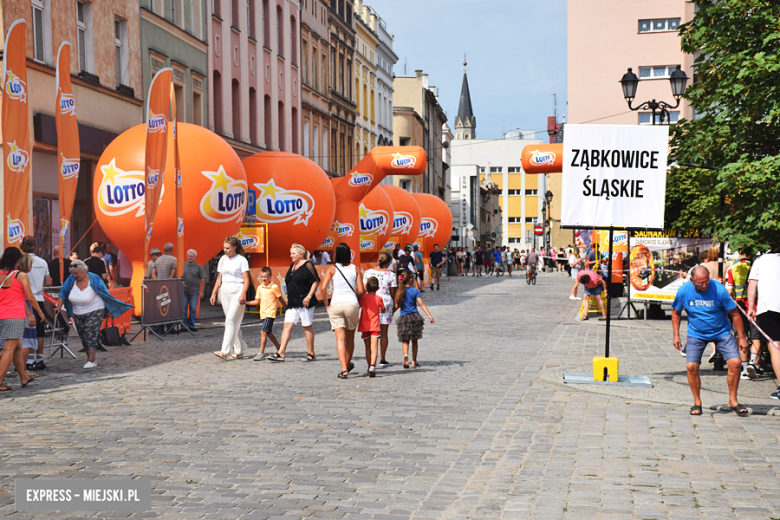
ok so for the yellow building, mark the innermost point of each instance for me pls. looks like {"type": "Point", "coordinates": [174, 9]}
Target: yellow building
{"type": "Point", "coordinates": [365, 79]}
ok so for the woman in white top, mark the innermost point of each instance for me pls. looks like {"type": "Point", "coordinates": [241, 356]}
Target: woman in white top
{"type": "Point", "coordinates": [343, 310]}
{"type": "Point", "coordinates": [387, 284]}
{"type": "Point", "coordinates": [232, 283]}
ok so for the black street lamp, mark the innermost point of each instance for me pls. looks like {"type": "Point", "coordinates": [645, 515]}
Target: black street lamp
{"type": "Point", "coordinates": [678, 79]}
{"type": "Point", "coordinates": [548, 197]}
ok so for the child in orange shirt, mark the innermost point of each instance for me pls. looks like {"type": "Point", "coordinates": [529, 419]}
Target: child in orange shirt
{"type": "Point", "coordinates": [370, 306]}
{"type": "Point", "coordinates": [269, 297]}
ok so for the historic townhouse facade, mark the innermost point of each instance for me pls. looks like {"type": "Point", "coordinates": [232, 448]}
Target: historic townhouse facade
{"type": "Point", "coordinates": [254, 77]}
{"type": "Point", "coordinates": [315, 95]}
{"type": "Point", "coordinates": [341, 28]}
{"type": "Point", "coordinates": [386, 59]}
{"type": "Point", "coordinates": [365, 79]}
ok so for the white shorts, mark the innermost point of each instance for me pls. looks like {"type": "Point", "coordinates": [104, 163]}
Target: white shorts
{"type": "Point", "coordinates": [574, 272]}
{"type": "Point", "coordinates": [302, 314]}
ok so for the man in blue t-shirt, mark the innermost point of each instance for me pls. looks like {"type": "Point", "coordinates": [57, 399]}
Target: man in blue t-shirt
{"type": "Point", "coordinates": [709, 306]}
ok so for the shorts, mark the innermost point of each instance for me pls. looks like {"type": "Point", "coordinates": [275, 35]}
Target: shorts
{"type": "Point", "coordinates": [12, 328]}
{"type": "Point", "coordinates": [726, 345]}
{"type": "Point", "coordinates": [302, 314]}
{"type": "Point", "coordinates": [435, 272]}
{"type": "Point", "coordinates": [574, 272]}
{"type": "Point", "coordinates": [370, 334]}
{"type": "Point", "coordinates": [420, 274]}
{"type": "Point", "coordinates": [344, 315]}
{"type": "Point", "coordinates": [268, 325]}
{"type": "Point", "coordinates": [596, 291]}
{"type": "Point", "coordinates": [39, 322]}
{"type": "Point", "coordinates": [769, 322]}
{"type": "Point", "coordinates": [748, 326]}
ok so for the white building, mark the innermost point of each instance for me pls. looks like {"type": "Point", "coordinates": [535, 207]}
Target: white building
{"type": "Point", "coordinates": [386, 59]}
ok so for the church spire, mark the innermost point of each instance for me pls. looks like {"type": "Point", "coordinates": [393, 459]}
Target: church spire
{"type": "Point", "coordinates": [465, 122]}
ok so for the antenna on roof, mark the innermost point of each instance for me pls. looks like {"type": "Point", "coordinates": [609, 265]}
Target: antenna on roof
{"type": "Point", "coordinates": [464, 61]}
{"type": "Point", "coordinates": [555, 108]}
{"type": "Point", "coordinates": [404, 66]}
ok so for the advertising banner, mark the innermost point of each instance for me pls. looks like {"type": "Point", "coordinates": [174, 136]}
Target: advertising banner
{"type": "Point", "coordinates": [157, 107]}
{"type": "Point", "coordinates": [163, 300]}
{"type": "Point", "coordinates": [68, 147]}
{"type": "Point", "coordinates": [16, 136]}
{"type": "Point", "coordinates": [658, 258]}
{"type": "Point", "coordinates": [180, 254]}
{"type": "Point", "coordinates": [252, 239]}
{"type": "Point", "coordinates": [614, 175]}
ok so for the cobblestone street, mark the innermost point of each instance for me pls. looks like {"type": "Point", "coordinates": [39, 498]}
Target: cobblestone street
{"type": "Point", "coordinates": [476, 432]}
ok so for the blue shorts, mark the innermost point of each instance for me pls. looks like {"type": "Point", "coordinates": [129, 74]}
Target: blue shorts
{"type": "Point", "coordinates": [727, 345]}
{"type": "Point", "coordinates": [596, 291]}
{"type": "Point", "coordinates": [268, 325]}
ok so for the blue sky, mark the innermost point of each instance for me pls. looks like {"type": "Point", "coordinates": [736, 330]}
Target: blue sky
{"type": "Point", "coordinates": [516, 56]}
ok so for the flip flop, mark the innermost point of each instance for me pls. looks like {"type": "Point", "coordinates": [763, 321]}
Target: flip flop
{"type": "Point", "coordinates": [30, 379]}
{"type": "Point", "coordinates": [696, 408]}
{"type": "Point", "coordinates": [5, 388]}
{"type": "Point", "coordinates": [406, 361]}
{"type": "Point", "coordinates": [343, 374]}
{"type": "Point", "coordinates": [275, 357]}
{"type": "Point", "coordinates": [740, 410]}
{"type": "Point", "coordinates": [310, 357]}
{"type": "Point", "coordinates": [220, 355]}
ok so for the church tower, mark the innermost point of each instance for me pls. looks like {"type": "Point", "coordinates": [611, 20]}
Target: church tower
{"type": "Point", "coordinates": [465, 122]}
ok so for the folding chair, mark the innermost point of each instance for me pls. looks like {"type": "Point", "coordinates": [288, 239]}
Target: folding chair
{"type": "Point", "coordinates": [56, 328]}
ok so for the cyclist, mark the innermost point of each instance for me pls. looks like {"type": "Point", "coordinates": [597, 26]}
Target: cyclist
{"type": "Point", "coordinates": [531, 261]}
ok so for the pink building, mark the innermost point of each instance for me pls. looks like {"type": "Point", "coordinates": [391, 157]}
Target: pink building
{"type": "Point", "coordinates": [254, 83]}
{"type": "Point", "coordinates": [607, 37]}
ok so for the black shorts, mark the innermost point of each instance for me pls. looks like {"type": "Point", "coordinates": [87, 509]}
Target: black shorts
{"type": "Point", "coordinates": [268, 325]}
{"type": "Point", "coordinates": [769, 322]}
{"type": "Point", "coordinates": [420, 274]}
{"type": "Point", "coordinates": [39, 322]}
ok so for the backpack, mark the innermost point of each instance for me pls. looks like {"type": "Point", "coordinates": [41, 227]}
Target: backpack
{"type": "Point", "coordinates": [403, 263]}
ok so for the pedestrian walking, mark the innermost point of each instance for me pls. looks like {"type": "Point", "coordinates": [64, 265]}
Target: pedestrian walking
{"type": "Point", "coordinates": [302, 282]}
{"type": "Point", "coordinates": [466, 261]}
{"type": "Point", "coordinates": [343, 308]}
{"type": "Point", "coordinates": [388, 281]}
{"type": "Point", "coordinates": [14, 288]}
{"type": "Point", "coordinates": [437, 260]}
{"type": "Point", "coordinates": [371, 306]}
{"type": "Point", "coordinates": [765, 278]}
{"type": "Point", "coordinates": [194, 282]}
{"type": "Point", "coordinates": [709, 307]}
{"type": "Point", "coordinates": [419, 267]}
{"type": "Point", "coordinates": [39, 278]}
{"type": "Point", "coordinates": [86, 299]}
{"type": "Point", "coordinates": [574, 266]}
{"type": "Point", "coordinates": [269, 298]}
{"type": "Point", "coordinates": [230, 286]}
{"type": "Point", "coordinates": [737, 287]}
{"type": "Point", "coordinates": [410, 323]}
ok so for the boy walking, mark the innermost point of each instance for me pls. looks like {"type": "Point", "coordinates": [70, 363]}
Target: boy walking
{"type": "Point", "coordinates": [370, 306]}
{"type": "Point", "coordinates": [269, 298]}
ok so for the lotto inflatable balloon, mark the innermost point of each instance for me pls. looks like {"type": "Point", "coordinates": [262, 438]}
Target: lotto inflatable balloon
{"type": "Point", "coordinates": [375, 219]}
{"type": "Point", "coordinates": [406, 217]}
{"type": "Point", "coordinates": [380, 162]}
{"type": "Point", "coordinates": [435, 222]}
{"type": "Point", "coordinates": [542, 158]}
{"type": "Point", "coordinates": [213, 183]}
{"type": "Point", "coordinates": [332, 238]}
{"type": "Point", "coordinates": [295, 198]}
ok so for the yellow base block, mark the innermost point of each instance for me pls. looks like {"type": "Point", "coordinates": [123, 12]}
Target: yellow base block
{"type": "Point", "coordinates": [611, 364]}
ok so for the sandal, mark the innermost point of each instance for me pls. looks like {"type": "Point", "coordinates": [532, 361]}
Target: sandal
{"type": "Point", "coordinates": [406, 361]}
{"type": "Point", "coordinates": [310, 357]}
{"type": "Point", "coordinates": [740, 410]}
{"type": "Point", "coordinates": [275, 357]}
{"type": "Point", "coordinates": [415, 364]}
{"type": "Point", "coordinates": [350, 367]}
{"type": "Point", "coordinates": [5, 388]}
{"type": "Point", "coordinates": [696, 408]}
{"type": "Point", "coordinates": [220, 355]}
{"type": "Point", "coordinates": [30, 379]}
{"type": "Point", "coordinates": [603, 318]}
{"type": "Point", "coordinates": [232, 357]}
{"type": "Point", "coordinates": [343, 374]}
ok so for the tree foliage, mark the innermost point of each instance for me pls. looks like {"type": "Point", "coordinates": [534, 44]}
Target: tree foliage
{"type": "Point", "coordinates": [728, 176]}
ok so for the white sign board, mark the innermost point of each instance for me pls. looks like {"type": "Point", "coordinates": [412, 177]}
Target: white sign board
{"type": "Point", "coordinates": [614, 175]}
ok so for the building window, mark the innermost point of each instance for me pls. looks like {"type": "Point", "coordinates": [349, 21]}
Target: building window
{"type": "Point", "coordinates": [197, 100]}
{"type": "Point", "coordinates": [234, 14]}
{"type": "Point", "coordinates": [514, 192]}
{"type": "Point", "coordinates": [529, 193]}
{"type": "Point", "coordinates": [514, 169]}
{"type": "Point", "coordinates": [306, 139]}
{"type": "Point", "coordinates": [341, 74]}
{"type": "Point", "coordinates": [266, 24]}
{"type": "Point", "coordinates": [122, 52]}
{"type": "Point", "coordinates": [253, 115]}
{"type": "Point", "coordinates": [294, 128]}
{"type": "Point", "coordinates": [156, 63]}
{"type": "Point", "coordinates": [282, 135]}
{"type": "Point", "coordinates": [316, 148]}
{"type": "Point", "coordinates": [267, 121]}
{"type": "Point", "coordinates": [660, 25]}
{"type": "Point", "coordinates": [481, 169]}
{"type": "Point", "coordinates": [217, 88]}
{"type": "Point", "coordinates": [515, 220]}
{"type": "Point", "coordinates": [216, 8]}
{"type": "Point", "coordinates": [178, 90]}
{"type": "Point", "coordinates": [279, 32]}
{"type": "Point", "coordinates": [84, 30]}
{"type": "Point", "coordinates": [236, 105]}
{"type": "Point", "coordinates": [514, 240]}
{"type": "Point", "coordinates": [293, 40]}
{"type": "Point", "coordinates": [348, 95]}
{"type": "Point", "coordinates": [531, 220]}
{"type": "Point", "coordinates": [404, 141]}
{"type": "Point", "coordinates": [315, 74]}
{"type": "Point", "coordinates": [250, 18]}
{"type": "Point", "coordinates": [305, 61]}
{"type": "Point", "coordinates": [177, 13]}
{"type": "Point", "coordinates": [325, 150]}
{"type": "Point", "coordinates": [196, 14]}
{"type": "Point", "coordinates": [404, 185]}
{"type": "Point", "coordinates": [657, 72]}
{"type": "Point", "coordinates": [645, 118]}
{"type": "Point", "coordinates": [496, 169]}
{"type": "Point", "coordinates": [40, 36]}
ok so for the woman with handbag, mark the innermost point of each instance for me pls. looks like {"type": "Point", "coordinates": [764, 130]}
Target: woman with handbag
{"type": "Point", "coordinates": [302, 282]}
{"type": "Point", "coordinates": [344, 310]}
{"type": "Point", "coordinates": [232, 284]}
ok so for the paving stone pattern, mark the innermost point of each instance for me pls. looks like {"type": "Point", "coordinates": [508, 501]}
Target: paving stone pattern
{"type": "Point", "coordinates": [473, 433]}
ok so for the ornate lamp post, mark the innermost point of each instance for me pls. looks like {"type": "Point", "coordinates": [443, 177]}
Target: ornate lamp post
{"type": "Point", "coordinates": [678, 80]}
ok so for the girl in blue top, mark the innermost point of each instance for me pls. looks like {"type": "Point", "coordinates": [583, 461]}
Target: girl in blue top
{"type": "Point", "coordinates": [410, 323]}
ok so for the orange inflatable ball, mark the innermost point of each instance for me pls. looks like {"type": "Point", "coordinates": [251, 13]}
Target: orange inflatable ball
{"type": "Point", "coordinates": [294, 197]}
{"type": "Point", "coordinates": [435, 221]}
{"type": "Point", "coordinates": [406, 217]}
{"type": "Point", "coordinates": [375, 219]}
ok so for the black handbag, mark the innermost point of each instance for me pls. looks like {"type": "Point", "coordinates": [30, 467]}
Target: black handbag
{"type": "Point", "coordinates": [110, 336]}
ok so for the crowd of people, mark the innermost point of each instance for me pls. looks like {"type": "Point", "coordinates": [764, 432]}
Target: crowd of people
{"type": "Point", "coordinates": [492, 261]}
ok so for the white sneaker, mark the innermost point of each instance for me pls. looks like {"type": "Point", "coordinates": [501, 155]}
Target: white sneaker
{"type": "Point", "coordinates": [90, 364]}
{"type": "Point", "coordinates": [574, 297]}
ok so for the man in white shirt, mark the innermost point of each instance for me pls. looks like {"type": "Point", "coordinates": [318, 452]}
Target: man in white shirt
{"type": "Point", "coordinates": [765, 277]}
{"type": "Point", "coordinates": [39, 278]}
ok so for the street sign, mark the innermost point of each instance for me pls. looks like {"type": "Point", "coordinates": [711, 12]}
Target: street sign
{"type": "Point", "coordinates": [538, 229]}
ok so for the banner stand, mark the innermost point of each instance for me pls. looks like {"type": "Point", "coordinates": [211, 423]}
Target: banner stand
{"type": "Point", "coordinates": [153, 316]}
{"type": "Point", "coordinates": [629, 303]}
